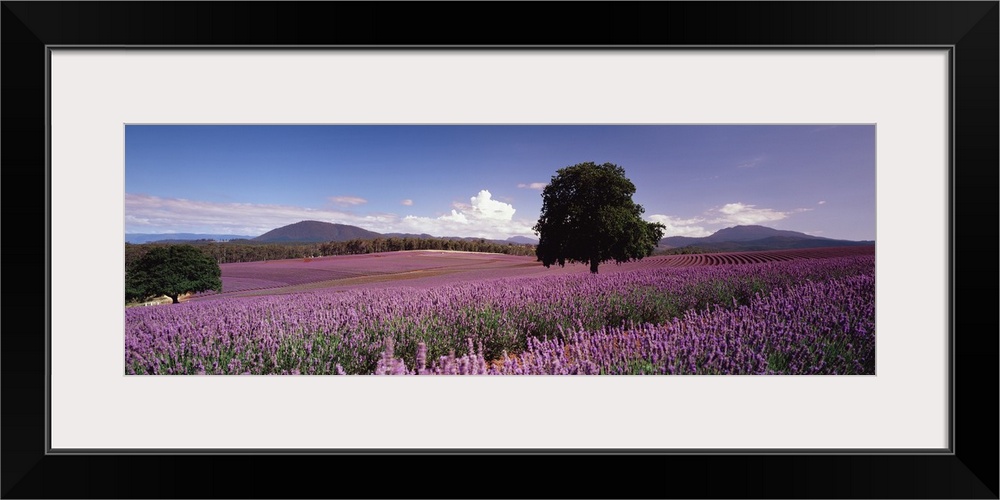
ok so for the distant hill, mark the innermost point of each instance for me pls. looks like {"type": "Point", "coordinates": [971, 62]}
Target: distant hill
{"type": "Point", "coordinates": [750, 233]}
{"type": "Point", "coordinates": [311, 231]}
{"type": "Point", "coordinates": [751, 238]}
{"type": "Point", "coordinates": [421, 236]}
{"type": "Point", "coordinates": [522, 240]}
{"type": "Point", "coordinates": [179, 237]}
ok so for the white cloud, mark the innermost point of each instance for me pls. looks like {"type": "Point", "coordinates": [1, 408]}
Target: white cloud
{"type": "Point", "coordinates": [751, 163]}
{"type": "Point", "coordinates": [453, 217]}
{"type": "Point", "coordinates": [152, 214]}
{"type": "Point", "coordinates": [483, 218]}
{"type": "Point", "coordinates": [709, 178]}
{"type": "Point", "coordinates": [821, 202]}
{"type": "Point", "coordinates": [730, 214]}
{"type": "Point", "coordinates": [676, 226]}
{"type": "Point", "coordinates": [407, 202]}
{"type": "Point", "coordinates": [743, 214]}
{"type": "Point", "coordinates": [484, 206]}
{"type": "Point", "coordinates": [533, 185]}
{"type": "Point", "coordinates": [348, 200]}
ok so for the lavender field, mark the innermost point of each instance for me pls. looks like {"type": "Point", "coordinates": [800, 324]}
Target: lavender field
{"type": "Point", "coordinates": [795, 313]}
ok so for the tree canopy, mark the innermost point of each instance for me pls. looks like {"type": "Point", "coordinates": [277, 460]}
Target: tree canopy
{"type": "Point", "coordinates": [172, 271]}
{"type": "Point", "coordinates": [588, 216]}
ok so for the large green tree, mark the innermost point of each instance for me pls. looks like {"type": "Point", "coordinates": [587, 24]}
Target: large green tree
{"type": "Point", "coordinates": [588, 216]}
{"type": "Point", "coordinates": [172, 271]}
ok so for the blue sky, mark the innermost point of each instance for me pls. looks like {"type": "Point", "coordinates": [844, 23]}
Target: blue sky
{"type": "Point", "coordinates": [486, 180]}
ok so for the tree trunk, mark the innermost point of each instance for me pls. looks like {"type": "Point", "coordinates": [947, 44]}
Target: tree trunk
{"type": "Point", "coordinates": [593, 265]}
{"type": "Point", "coordinates": [174, 298]}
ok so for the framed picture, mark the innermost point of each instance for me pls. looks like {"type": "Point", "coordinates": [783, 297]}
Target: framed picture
{"type": "Point", "coordinates": [919, 77]}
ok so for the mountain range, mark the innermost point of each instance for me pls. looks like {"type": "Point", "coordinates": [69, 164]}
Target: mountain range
{"type": "Point", "coordinates": [180, 237]}
{"type": "Point", "coordinates": [750, 238]}
{"type": "Point", "coordinates": [730, 239]}
{"type": "Point", "coordinates": [311, 231]}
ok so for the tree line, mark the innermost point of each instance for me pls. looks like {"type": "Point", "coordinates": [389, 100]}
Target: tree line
{"type": "Point", "coordinates": [245, 251]}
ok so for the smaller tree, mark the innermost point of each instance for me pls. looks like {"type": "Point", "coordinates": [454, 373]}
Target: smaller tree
{"type": "Point", "coordinates": [172, 271]}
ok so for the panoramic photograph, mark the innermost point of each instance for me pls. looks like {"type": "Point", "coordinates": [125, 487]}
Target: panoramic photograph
{"type": "Point", "coordinates": [500, 249]}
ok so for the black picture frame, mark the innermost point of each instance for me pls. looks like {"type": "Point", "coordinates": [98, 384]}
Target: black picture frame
{"type": "Point", "coordinates": [969, 470]}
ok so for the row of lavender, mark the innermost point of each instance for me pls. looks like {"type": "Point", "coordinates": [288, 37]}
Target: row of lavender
{"type": "Point", "coordinates": [328, 332]}
{"type": "Point", "coordinates": [815, 328]}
